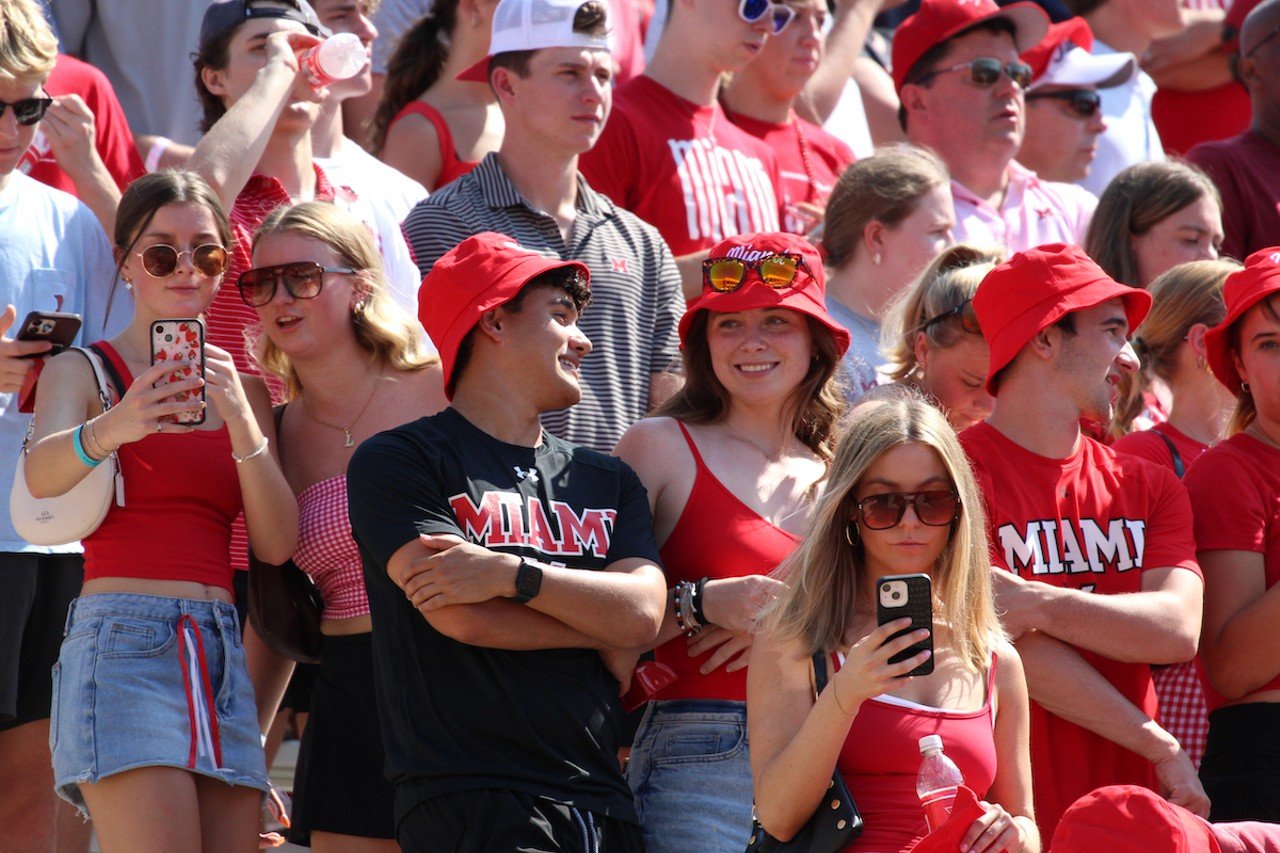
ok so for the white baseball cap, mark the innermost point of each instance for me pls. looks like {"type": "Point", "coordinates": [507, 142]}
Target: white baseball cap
{"type": "Point", "coordinates": [534, 25]}
{"type": "Point", "coordinates": [1062, 58]}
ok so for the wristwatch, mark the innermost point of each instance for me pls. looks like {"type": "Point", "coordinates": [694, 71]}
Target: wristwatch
{"type": "Point", "coordinates": [528, 582]}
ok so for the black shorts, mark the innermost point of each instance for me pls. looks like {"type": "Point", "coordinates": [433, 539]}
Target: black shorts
{"type": "Point", "coordinates": [339, 786]}
{"type": "Point", "coordinates": [494, 820]}
{"type": "Point", "coordinates": [1240, 770]}
{"type": "Point", "coordinates": [35, 592]}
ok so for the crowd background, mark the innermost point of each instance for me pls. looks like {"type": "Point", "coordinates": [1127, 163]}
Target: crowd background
{"type": "Point", "coordinates": [822, 240]}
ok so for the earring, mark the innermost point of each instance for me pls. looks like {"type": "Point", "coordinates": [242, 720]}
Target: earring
{"type": "Point", "coordinates": [1244, 386]}
{"type": "Point", "coordinates": [852, 534]}
{"type": "Point", "coordinates": [1201, 364]}
{"type": "Point", "coordinates": [128, 284]}
{"type": "Point", "coordinates": [357, 310]}
{"type": "Point", "coordinates": [875, 259]}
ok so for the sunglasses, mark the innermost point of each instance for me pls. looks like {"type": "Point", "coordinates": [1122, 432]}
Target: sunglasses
{"type": "Point", "coordinates": [985, 71]}
{"type": "Point", "coordinates": [935, 508]}
{"type": "Point", "coordinates": [1083, 102]}
{"type": "Point", "coordinates": [965, 311]}
{"type": "Point", "coordinates": [302, 280]}
{"type": "Point", "coordinates": [780, 15]}
{"type": "Point", "coordinates": [161, 259]}
{"type": "Point", "coordinates": [725, 275]}
{"type": "Point", "coordinates": [28, 111]}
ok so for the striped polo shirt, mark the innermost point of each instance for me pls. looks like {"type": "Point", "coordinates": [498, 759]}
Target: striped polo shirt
{"type": "Point", "coordinates": [635, 289]}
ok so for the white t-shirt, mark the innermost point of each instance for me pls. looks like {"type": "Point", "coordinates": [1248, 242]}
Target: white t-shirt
{"type": "Point", "coordinates": [1131, 135]}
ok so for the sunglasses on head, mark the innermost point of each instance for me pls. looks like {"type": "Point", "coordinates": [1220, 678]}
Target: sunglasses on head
{"type": "Point", "coordinates": [965, 311]}
{"type": "Point", "coordinates": [725, 275]}
{"type": "Point", "coordinates": [780, 15]}
{"type": "Point", "coordinates": [162, 259]}
{"type": "Point", "coordinates": [28, 111]}
{"type": "Point", "coordinates": [985, 71]}
{"type": "Point", "coordinates": [302, 280]}
{"type": "Point", "coordinates": [936, 508]}
{"type": "Point", "coordinates": [1083, 102]}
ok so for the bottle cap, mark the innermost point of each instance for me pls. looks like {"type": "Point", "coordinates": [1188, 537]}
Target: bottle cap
{"type": "Point", "coordinates": [929, 742]}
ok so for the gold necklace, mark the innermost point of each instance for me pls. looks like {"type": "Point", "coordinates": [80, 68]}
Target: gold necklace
{"type": "Point", "coordinates": [348, 441]}
{"type": "Point", "coordinates": [778, 454]}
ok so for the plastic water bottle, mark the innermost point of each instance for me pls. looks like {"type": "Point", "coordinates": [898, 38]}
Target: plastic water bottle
{"type": "Point", "coordinates": [937, 782]}
{"type": "Point", "coordinates": [339, 57]}
{"type": "Point", "coordinates": [35, 153]}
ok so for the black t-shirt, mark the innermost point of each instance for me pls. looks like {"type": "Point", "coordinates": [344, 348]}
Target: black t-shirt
{"type": "Point", "coordinates": [458, 717]}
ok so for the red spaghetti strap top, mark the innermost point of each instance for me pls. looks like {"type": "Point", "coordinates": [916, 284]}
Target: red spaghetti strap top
{"type": "Point", "coordinates": [451, 166]}
{"type": "Point", "coordinates": [181, 495]}
{"type": "Point", "coordinates": [717, 536]}
{"type": "Point", "coordinates": [881, 757]}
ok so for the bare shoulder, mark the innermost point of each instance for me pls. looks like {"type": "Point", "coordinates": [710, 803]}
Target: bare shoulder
{"type": "Point", "coordinates": [654, 445]}
{"type": "Point", "coordinates": [1010, 674]}
{"type": "Point", "coordinates": [420, 391]}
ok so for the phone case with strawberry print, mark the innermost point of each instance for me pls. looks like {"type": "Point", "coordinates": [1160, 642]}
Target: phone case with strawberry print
{"type": "Point", "coordinates": [180, 343]}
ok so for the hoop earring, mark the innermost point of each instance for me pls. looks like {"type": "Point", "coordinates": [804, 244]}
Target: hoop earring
{"type": "Point", "coordinates": [1244, 386]}
{"type": "Point", "coordinates": [852, 534]}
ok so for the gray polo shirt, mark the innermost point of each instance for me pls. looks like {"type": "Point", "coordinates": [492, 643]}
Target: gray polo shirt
{"type": "Point", "coordinates": [636, 303]}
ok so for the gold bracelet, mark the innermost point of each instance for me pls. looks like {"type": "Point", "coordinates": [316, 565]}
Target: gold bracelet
{"type": "Point", "coordinates": [262, 448]}
{"type": "Point", "coordinates": [96, 449]}
{"type": "Point", "coordinates": [835, 694]}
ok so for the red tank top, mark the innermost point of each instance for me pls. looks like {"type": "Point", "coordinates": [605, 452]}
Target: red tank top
{"type": "Point", "coordinates": [717, 536]}
{"type": "Point", "coordinates": [181, 495]}
{"type": "Point", "coordinates": [451, 166]}
{"type": "Point", "coordinates": [881, 757]}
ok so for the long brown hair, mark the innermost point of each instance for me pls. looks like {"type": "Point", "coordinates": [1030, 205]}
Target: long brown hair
{"type": "Point", "coordinates": [415, 65]}
{"type": "Point", "coordinates": [825, 573]}
{"type": "Point", "coordinates": [815, 405]}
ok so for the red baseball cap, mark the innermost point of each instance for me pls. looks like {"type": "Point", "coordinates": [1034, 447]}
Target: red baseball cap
{"type": "Point", "coordinates": [1132, 819]}
{"type": "Point", "coordinates": [1036, 288]}
{"type": "Point", "coordinates": [939, 20]}
{"type": "Point", "coordinates": [479, 274]}
{"type": "Point", "coordinates": [808, 294]}
{"type": "Point", "coordinates": [1242, 290]}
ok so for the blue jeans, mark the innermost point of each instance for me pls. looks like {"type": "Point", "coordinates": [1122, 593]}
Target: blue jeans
{"type": "Point", "coordinates": [691, 776]}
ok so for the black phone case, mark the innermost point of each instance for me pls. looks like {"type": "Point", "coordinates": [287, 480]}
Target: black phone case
{"type": "Point", "coordinates": [919, 607]}
{"type": "Point", "coordinates": [185, 337]}
{"type": "Point", "coordinates": [57, 327]}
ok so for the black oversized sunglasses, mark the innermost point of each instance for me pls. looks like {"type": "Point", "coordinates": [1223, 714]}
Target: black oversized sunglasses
{"type": "Point", "coordinates": [935, 508]}
{"type": "Point", "coordinates": [28, 111]}
{"type": "Point", "coordinates": [965, 311]}
{"type": "Point", "coordinates": [985, 71]}
{"type": "Point", "coordinates": [1083, 102]}
{"type": "Point", "coordinates": [302, 280]}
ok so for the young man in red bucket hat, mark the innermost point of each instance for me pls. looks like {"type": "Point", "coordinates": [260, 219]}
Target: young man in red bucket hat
{"type": "Point", "coordinates": [1099, 577]}
{"type": "Point", "coordinates": [503, 566]}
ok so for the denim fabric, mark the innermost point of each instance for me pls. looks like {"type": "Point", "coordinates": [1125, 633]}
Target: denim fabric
{"type": "Point", "coordinates": [691, 775]}
{"type": "Point", "coordinates": [120, 698]}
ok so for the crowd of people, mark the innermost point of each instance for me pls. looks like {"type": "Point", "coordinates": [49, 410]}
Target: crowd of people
{"type": "Point", "coordinates": [601, 363]}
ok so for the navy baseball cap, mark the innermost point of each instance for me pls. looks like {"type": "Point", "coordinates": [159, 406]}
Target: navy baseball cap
{"type": "Point", "coordinates": [222, 16]}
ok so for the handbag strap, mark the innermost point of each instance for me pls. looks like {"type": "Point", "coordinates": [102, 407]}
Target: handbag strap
{"type": "Point", "coordinates": [819, 674]}
{"type": "Point", "coordinates": [103, 397]}
{"type": "Point", "coordinates": [1178, 468]}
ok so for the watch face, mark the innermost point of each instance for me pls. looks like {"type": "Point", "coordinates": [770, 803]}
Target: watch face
{"type": "Point", "coordinates": [528, 581]}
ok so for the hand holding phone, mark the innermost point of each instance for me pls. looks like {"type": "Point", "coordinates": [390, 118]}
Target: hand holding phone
{"type": "Point", "coordinates": [59, 328]}
{"type": "Point", "coordinates": [899, 596]}
{"type": "Point", "coordinates": [179, 343]}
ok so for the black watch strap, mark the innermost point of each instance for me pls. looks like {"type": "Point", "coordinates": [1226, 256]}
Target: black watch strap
{"type": "Point", "coordinates": [528, 582]}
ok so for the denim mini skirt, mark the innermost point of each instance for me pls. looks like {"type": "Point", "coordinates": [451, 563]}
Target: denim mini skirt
{"type": "Point", "coordinates": [149, 681]}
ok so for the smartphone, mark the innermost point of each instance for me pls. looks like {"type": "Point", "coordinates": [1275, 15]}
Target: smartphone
{"type": "Point", "coordinates": [57, 327]}
{"type": "Point", "coordinates": [180, 343]}
{"type": "Point", "coordinates": [907, 595]}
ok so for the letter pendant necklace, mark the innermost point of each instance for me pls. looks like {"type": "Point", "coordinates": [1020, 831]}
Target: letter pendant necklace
{"type": "Point", "coordinates": [348, 441]}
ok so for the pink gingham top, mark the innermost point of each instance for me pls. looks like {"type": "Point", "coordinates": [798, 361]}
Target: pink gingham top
{"type": "Point", "coordinates": [326, 550]}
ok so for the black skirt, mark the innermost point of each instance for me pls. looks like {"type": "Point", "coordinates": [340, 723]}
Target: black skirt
{"type": "Point", "coordinates": [339, 786]}
{"type": "Point", "coordinates": [1241, 767]}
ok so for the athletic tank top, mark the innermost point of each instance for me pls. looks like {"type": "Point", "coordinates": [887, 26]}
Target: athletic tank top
{"type": "Point", "coordinates": [717, 536]}
{"type": "Point", "coordinates": [326, 550]}
{"type": "Point", "coordinates": [181, 496]}
{"type": "Point", "coordinates": [451, 167]}
{"type": "Point", "coordinates": [881, 757]}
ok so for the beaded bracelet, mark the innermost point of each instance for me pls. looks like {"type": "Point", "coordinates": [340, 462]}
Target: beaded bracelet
{"type": "Point", "coordinates": [78, 445]}
{"type": "Point", "coordinates": [699, 598]}
{"type": "Point", "coordinates": [262, 448]}
{"type": "Point", "coordinates": [684, 612]}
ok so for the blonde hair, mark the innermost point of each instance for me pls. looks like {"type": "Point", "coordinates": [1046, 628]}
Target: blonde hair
{"type": "Point", "coordinates": [945, 284]}
{"type": "Point", "coordinates": [386, 332]}
{"type": "Point", "coordinates": [1246, 411]}
{"type": "Point", "coordinates": [28, 49]}
{"type": "Point", "coordinates": [825, 572]}
{"type": "Point", "coordinates": [884, 187]}
{"type": "Point", "coordinates": [1181, 297]}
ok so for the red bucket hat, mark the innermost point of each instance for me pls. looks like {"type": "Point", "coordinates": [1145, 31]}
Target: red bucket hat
{"type": "Point", "coordinates": [1036, 288]}
{"type": "Point", "coordinates": [938, 20]}
{"type": "Point", "coordinates": [1131, 819]}
{"type": "Point", "coordinates": [1242, 290]}
{"type": "Point", "coordinates": [479, 274]}
{"type": "Point", "coordinates": [807, 294]}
